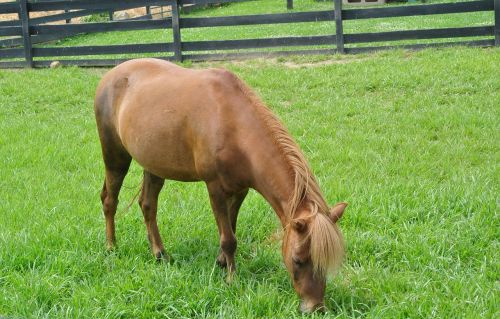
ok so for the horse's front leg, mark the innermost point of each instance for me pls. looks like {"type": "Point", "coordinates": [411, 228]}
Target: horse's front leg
{"type": "Point", "coordinates": [219, 201]}
{"type": "Point", "coordinates": [233, 203]}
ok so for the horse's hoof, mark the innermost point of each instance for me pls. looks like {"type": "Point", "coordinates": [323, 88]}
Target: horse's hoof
{"type": "Point", "coordinates": [163, 257]}
{"type": "Point", "coordinates": [110, 247]}
{"type": "Point", "coordinates": [231, 272]}
{"type": "Point", "coordinates": [230, 278]}
{"type": "Point", "coordinates": [221, 261]}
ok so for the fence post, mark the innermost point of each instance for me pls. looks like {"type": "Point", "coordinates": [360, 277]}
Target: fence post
{"type": "Point", "coordinates": [148, 10]}
{"type": "Point", "coordinates": [67, 20]}
{"type": "Point", "coordinates": [339, 34]}
{"type": "Point", "coordinates": [24, 17]}
{"type": "Point", "coordinates": [289, 4]}
{"type": "Point", "coordinates": [176, 31]}
{"type": "Point", "coordinates": [497, 22]}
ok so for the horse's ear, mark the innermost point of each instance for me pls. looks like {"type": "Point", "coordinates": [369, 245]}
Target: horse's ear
{"type": "Point", "coordinates": [337, 211]}
{"type": "Point", "coordinates": [299, 225]}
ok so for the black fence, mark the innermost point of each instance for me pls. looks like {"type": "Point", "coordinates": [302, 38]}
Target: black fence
{"type": "Point", "coordinates": [26, 31]}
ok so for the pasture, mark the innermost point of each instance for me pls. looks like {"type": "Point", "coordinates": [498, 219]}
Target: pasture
{"type": "Point", "coordinates": [409, 139]}
{"type": "Point", "coordinates": [243, 29]}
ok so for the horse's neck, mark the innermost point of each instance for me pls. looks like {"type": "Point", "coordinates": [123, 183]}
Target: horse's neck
{"type": "Point", "coordinates": [272, 175]}
{"type": "Point", "coordinates": [273, 178]}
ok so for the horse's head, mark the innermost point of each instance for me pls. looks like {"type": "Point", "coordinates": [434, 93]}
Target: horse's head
{"type": "Point", "coordinates": [313, 248]}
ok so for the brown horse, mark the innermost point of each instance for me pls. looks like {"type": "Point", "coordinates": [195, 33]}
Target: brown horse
{"type": "Point", "coordinates": [207, 125]}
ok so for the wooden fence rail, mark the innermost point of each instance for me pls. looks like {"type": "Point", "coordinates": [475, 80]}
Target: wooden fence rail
{"type": "Point", "coordinates": [32, 31]}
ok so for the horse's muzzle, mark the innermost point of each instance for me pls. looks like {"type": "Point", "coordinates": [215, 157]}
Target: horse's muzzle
{"type": "Point", "coordinates": [308, 307]}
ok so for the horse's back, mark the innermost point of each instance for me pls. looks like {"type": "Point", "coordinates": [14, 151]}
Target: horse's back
{"type": "Point", "coordinates": [171, 120]}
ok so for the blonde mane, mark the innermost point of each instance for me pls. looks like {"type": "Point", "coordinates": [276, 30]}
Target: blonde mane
{"type": "Point", "coordinates": [327, 246]}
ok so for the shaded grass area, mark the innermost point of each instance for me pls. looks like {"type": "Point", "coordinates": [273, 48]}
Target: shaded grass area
{"type": "Point", "coordinates": [409, 139]}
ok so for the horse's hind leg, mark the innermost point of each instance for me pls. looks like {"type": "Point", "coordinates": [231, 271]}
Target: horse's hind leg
{"type": "Point", "coordinates": [148, 201]}
{"type": "Point", "coordinates": [116, 162]}
{"type": "Point", "coordinates": [233, 203]}
{"type": "Point", "coordinates": [109, 196]}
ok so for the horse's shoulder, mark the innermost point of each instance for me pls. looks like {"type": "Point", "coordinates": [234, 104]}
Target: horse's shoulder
{"type": "Point", "coordinates": [223, 74]}
{"type": "Point", "coordinates": [221, 78]}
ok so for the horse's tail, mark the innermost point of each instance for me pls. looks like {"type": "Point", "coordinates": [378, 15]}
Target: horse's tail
{"type": "Point", "coordinates": [135, 196]}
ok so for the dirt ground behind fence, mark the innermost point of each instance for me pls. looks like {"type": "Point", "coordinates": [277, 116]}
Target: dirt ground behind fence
{"type": "Point", "coordinates": [157, 13]}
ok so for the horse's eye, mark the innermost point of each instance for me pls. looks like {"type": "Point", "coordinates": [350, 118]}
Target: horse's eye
{"type": "Point", "coordinates": [297, 262]}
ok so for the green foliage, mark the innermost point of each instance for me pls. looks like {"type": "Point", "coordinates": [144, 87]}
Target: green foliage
{"type": "Point", "coordinates": [97, 17]}
{"type": "Point", "coordinates": [409, 139]}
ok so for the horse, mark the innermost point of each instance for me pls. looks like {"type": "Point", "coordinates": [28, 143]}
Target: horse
{"type": "Point", "coordinates": [207, 125]}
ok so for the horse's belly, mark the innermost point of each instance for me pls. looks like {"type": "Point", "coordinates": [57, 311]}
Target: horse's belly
{"type": "Point", "coordinates": [172, 173]}
{"type": "Point", "coordinates": [162, 148]}
{"type": "Point", "coordinates": [164, 161]}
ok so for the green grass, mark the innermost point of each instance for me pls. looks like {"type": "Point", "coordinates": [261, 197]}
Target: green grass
{"type": "Point", "coordinates": [409, 139]}
{"type": "Point", "coordinates": [281, 30]}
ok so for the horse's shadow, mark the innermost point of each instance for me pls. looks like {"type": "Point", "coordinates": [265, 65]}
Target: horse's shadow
{"type": "Point", "coordinates": [259, 265]}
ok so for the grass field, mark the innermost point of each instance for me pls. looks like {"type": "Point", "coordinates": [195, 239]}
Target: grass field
{"type": "Point", "coordinates": [474, 19]}
{"type": "Point", "coordinates": [411, 140]}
